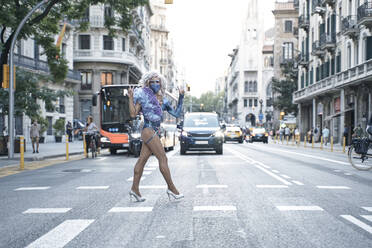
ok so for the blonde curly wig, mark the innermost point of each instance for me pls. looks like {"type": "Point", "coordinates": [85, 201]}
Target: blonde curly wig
{"type": "Point", "coordinates": [146, 77]}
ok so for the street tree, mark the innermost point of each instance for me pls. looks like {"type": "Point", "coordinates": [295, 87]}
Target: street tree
{"type": "Point", "coordinates": [284, 88]}
{"type": "Point", "coordinates": [207, 102]}
{"type": "Point", "coordinates": [46, 23]}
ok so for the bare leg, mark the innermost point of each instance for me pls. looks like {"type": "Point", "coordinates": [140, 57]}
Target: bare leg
{"type": "Point", "coordinates": [158, 150]}
{"type": "Point", "coordinates": [37, 144]}
{"type": "Point", "coordinates": [33, 145]}
{"type": "Point", "coordinates": [138, 168]}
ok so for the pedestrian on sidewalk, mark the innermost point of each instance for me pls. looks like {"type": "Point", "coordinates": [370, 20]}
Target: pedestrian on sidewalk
{"type": "Point", "coordinates": [346, 135]}
{"type": "Point", "coordinates": [35, 134]}
{"type": "Point", "coordinates": [151, 101]}
{"type": "Point", "coordinates": [310, 135]}
{"type": "Point", "coordinates": [69, 131]}
{"type": "Point", "coordinates": [325, 134]}
{"type": "Point", "coordinates": [287, 132]}
{"type": "Point", "coordinates": [281, 133]}
{"type": "Point", "coordinates": [358, 132]}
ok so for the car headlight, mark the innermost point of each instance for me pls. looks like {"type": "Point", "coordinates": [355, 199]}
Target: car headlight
{"type": "Point", "coordinates": [184, 133]}
{"type": "Point", "coordinates": [105, 140]}
{"type": "Point", "coordinates": [136, 135]}
{"type": "Point", "coordinates": [218, 134]}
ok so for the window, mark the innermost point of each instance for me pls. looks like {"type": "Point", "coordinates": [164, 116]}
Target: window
{"type": "Point", "coordinates": [84, 42]}
{"type": "Point", "coordinates": [106, 78]}
{"type": "Point", "coordinates": [250, 103]}
{"type": "Point", "coordinates": [108, 11]}
{"type": "Point", "coordinates": [64, 50]}
{"type": "Point", "coordinates": [368, 48]}
{"type": "Point", "coordinates": [349, 56]}
{"type": "Point", "coordinates": [123, 44]}
{"type": "Point", "coordinates": [255, 86]}
{"type": "Point", "coordinates": [86, 15]}
{"type": "Point", "coordinates": [245, 103]}
{"type": "Point", "coordinates": [86, 80]}
{"type": "Point", "coordinates": [62, 105]}
{"type": "Point", "coordinates": [288, 50]}
{"type": "Point", "coordinates": [255, 103]}
{"type": "Point", "coordinates": [288, 27]}
{"type": "Point", "coordinates": [356, 53]}
{"type": "Point", "coordinates": [108, 43]}
{"type": "Point", "coordinates": [50, 125]}
{"type": "Point", "coordinates": [246, 86]}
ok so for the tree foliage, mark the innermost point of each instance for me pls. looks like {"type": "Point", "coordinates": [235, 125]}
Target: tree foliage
{"type": "Point", "coordinates": [28, 95]}
{"type": "Point", "coordinates": [46, 23]}
{"type": "Point", "coordinates": [284, 88]}
{"type": "Point", "coordinates": [207, 102]}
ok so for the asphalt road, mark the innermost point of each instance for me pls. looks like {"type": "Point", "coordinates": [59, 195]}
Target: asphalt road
{"type": "Point", "coordinates": [254, 195]}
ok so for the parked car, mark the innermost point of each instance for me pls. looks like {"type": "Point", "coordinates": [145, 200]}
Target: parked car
{"type": "Point", "coordinates": [258, 134]}
{"type": "Point", "coordinates": [201, 131]}
{"type": "Point", "coordinates": [234, 133]}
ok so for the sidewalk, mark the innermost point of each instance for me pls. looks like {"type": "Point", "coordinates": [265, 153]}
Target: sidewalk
{"type": "Point", "coordinates": [49, 150]}
{"type": "Point", "coordinates": [336, 147]}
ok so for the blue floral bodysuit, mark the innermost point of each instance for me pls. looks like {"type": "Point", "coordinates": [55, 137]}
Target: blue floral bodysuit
{"type": "Point", "coordinates": [151, 109]}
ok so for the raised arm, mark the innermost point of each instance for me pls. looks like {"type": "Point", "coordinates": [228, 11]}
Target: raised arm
{"type": "Point", "coordinates": [175, 112]}
{"type": "Point", "coordinates": [133, 108]}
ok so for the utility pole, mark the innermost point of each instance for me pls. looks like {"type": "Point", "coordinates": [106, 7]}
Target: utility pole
{"type": "Point", "coordinates": [11, 79]}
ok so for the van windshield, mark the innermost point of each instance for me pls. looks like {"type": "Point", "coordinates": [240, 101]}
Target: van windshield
{"type": "Point", "coordinates": [201, 121]}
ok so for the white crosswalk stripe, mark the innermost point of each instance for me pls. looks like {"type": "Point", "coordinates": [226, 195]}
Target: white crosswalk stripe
{"type": "Point", "coordinates": [369, 209]}
{"type": "Point", "coordinates": [130, 209]}
{"type": "Point", "coordinates": [357, 222]}
{"type": "Point", "coordinates": [299, 208]}
{"type": "Point", "coordinates": [93, 187]}
{"type": "Point", "coordinates": [46, 210]}
{"type": "Point", "coordinates": [31, 188]}
{"type": "Point", "coordinates": [62, 234]}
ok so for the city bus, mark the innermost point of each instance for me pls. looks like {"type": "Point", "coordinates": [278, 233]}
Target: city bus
{"type": "Point", "coordinates": [116, 127]}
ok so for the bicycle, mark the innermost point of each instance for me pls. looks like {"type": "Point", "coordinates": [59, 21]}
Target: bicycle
{"type": "Point", "coordinates": [93, 144]}
{"type": "Point", "coordinates": [360, 154]}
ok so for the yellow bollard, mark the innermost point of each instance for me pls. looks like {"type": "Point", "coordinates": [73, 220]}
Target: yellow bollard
{"type": "Point", "coordinates": [331, 143]}
{"type": "Point", "coordinates": [85, 146]}
{"type": "Point", "coordinates": [344, 145]}
{"type": "Point", "coordinates": [305, 139]}
{"type": "Point", "coordinates": [22, 150]}
{"type": "Point", "coordinates": [321, 143]}
{"type": "Point", "coordinates": [67, 147]}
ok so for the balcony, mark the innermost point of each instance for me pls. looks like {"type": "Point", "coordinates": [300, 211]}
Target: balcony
{"type": "Point", "coordinates": [316, 3]}
{"type": "Point", "coordinates": [354, 75]}
{"type": "Point", "coordinates": [328, 41]}
{"type": "Point", "coordinates": [295, 32]}
{"type": "Point", "coordinates": [303, 59]}
{"type": "Point", "coordinates": [296, 4]}
{"type": "Point", "coordinates": [40, 65]}
{"type": "Point", "coordinates": [317, 51]}
{"type": "Point", "coordinates": [329, 2]}
{"type": "Point", "coordinates": [350, 27]}
{"type": "Point", "coordinates": [286, 61]}
{"type": "Point", "coordinates": [303, 22]}
{"type": "Point", "coordinates": [365, 14]}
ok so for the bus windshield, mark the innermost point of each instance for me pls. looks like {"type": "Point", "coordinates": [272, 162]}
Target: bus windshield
{"type": "Point", "coordinates": [115, 105]}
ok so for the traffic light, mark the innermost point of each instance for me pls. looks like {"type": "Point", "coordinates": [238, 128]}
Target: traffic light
{"type": "Point", "coordinates": [188, 87]}
{"type": "Point", "coordinates": [5, 83]}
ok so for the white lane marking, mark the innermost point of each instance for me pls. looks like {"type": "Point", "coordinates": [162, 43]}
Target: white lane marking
{"type": "Point", "coordinates": [357, 222]}
{"type": "Point", "coordinates": [297, 182]}
{"type": "Point", "coordinates": [337, 171]}
{"type": "Point", "coordinates": [93, 187]}
{"type": "Point", "coordinates": [46, 210]}
{"type": "Point", "coordinates": [62, 234]}
{"type": "Point", "coordinates": [272, 186]}
{"type": "Point", "coordinates": [160, 237]}
{"type": "Point", "coordinates": [310, 156]}
{"type": "Point", "coordinates": [150, 169]}
{"type": "Point", "coordinates": [259, 166]}
{"type": "Point", "coordinates": [147, 172]}
{"type": "Point", "coordinates": [348, 174]}
{"type": "Point", "coordinates": [32, 188]}
{"type": "Point", "coordinates": [214, 208]}
{"type": "Point", "coordinates": [130, 209]}
{"type": "Point", "coordinates": [369, 209]}
{"type": "Point", "coordinates": [217, 186]}
{"type": "Point", "coordinates": [367, 217]}
{"type": "Point", "coordinates": [299, 208]}
{"type": "Point", "coordinates": [275, 171]}
{"type": "Point", "coordinates": [153, 186]}
{"type": "Point", "coordinates": [285, 176]}
{"type": "Point", "coordinates": [333, 187]}
{"type": "Point", "coordinates": [131, 179]}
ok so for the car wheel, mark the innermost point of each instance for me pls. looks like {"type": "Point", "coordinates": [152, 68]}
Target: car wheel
{"type": "Point", "coordinates": [113, 151]}
{"type": "Point", "coordinates": [183, 150]}
{"type": "Point", "coordinates": [219, 150]}
{"type": "Point", "coordinates": [241, 141]}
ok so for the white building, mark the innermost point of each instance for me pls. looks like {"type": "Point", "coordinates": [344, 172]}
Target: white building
{"type": "Point", "coordinates": [335, 71]}
{"type": "Point", "coordinates": [250, 72]}
{"type": "Point", "coordinates": [162, 57]}
{"type": "Point", "coordinates": [29, 56]}
{"type": "Point", "coordinates": [105, 60]}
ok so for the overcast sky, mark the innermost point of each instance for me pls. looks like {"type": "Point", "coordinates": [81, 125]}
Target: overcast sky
{"type": "Point", "coordinates": [204, 32]}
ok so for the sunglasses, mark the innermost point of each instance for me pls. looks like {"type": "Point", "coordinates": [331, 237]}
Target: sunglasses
{"type": "Point", "coordinates": [154, 81]}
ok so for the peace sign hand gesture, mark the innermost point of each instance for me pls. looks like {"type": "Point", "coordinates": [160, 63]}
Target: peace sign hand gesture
{"type": "Point", "coordinates": [130, 92]}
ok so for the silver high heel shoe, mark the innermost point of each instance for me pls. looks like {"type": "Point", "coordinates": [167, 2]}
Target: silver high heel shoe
{"type": "Point", "coordinates": [175, 197]}
{"type": "Point", "coordinates": [137, 197]}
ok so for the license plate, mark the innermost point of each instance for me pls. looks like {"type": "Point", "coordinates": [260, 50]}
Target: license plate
{"type": "Point", "coordinates": [201, 142]}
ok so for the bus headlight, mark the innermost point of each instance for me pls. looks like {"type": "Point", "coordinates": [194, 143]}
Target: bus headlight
{"type": "Point", "coordinates": [136, 135]}
{"type": "Point", "coordinates": [105, 140]}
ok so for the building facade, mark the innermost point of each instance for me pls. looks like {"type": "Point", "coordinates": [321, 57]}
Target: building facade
{"type": "Point", "coordinates": [105, 60]}
{"type": "Point", "coordinates": [250, 71]}
{"type": "Point", "coordinates": [29, 56]}
{"type": "Point", "coordinates": [335, 66]}
{"type": "Point", "coordinates": [162, 59]}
